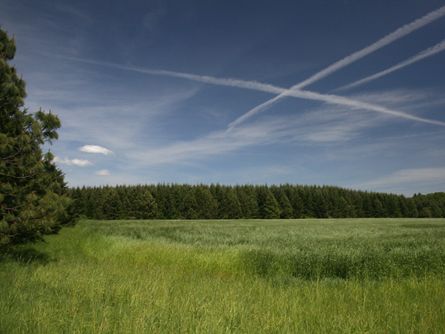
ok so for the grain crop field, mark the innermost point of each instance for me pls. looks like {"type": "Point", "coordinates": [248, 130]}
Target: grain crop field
{"type": "Point", "coordinates": [247, 276]}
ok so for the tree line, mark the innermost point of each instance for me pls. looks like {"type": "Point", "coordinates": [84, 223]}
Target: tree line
{"type": "Point", "coordinates": [182, 201]}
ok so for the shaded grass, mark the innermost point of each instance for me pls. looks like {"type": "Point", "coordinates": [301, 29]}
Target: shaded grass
{"type": "Point", "coordinates": [229, 276]}
{"type": "Point", "coordinates": [24, 255]}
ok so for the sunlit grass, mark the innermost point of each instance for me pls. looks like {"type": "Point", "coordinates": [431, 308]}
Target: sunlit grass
{"type": "Point", "coordinates": [315, 276]}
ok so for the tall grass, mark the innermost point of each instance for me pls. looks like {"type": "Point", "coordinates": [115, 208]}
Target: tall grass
{"type": "Point", "coordinates": [308, 276]}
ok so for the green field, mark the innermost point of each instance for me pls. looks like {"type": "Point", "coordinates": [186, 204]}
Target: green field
{"type": "Point", "coordinates": [253, 276]}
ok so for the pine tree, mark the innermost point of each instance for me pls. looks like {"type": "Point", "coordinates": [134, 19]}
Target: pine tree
{"type": "Point", "coordinates": [33, 199]}
{"type": "Point", "coordinates": [378, 209]}
{"type": "Point", "coordinates": [112, 204]}
{"type": "Point", "coordinates": [341, 208]}
{"type": "Point", "coordinates": [425, 212]}
{"type": "Point", "coordinates": [269, 208]}
{"type": "Point", "coordinates": [206, 204]}
{"type": "Point", "coordinates": [309, 203]}
{"type": "Point", "coordinates": [230, 207]}
{"type": "Point", "coordinates": [296, 202]}
{"type": "Point", "coordinates": [248, 201]}
{"type": "Point", "coordinates": [284, 203]}
{"type": "Point", "coordinates": [144, 205]}
{"type": "Point", "coordinates": [160, 195]}
{"type": "Point", "coordinates": [392, 207]}
{"type": "Point", "coordinates": [151, 206]}
{"type": "Point", "coordinates": [189, 206]}
{"type": "Point", "coordinates": [320, 205]}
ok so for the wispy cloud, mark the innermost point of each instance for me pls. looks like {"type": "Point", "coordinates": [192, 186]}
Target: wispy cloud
{"type": "Point", "coordinates": [72, 162]}
{"type": "Point", "coordinates": [96, 149]}
{"type": "Point", "coordinates": [388, 39]}
{"type": "Point", "coordinates": [258, 86]}
{"type": "Point", "coordinates": [332, 126]}
{"type": "Point", "coordinates": [325, 125]}
{"type": "Point", "coordinates": [405, 177]}
{"type": "Point", "coordinates": [116, 121]}
{"type": "Point", "coordinates": [422, 55]}
{"type": "Point", "coordinates": [103, 172]}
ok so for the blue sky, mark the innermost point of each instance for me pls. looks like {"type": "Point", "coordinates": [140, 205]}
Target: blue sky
{"type": "Point", "coordinates": [113, 72]}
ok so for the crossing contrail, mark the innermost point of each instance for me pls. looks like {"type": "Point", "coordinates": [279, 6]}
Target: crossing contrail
{"type": "Point", "coordinates": [388, 39]}
{"type": "Point", "coordinates": [252, 85]}
{"type": "Point", "coordinates": [262, 87]}
{"type": "Point", "coordinates": [421, 55]}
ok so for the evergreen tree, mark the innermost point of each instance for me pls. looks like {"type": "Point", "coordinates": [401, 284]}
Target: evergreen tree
{"type": "Point", "coordinates": [436, 211]}
{"type": "Point", "coordinates": [174, 202]}
{"type": "Point", "coordinates": [206, 205]}
{"type": "Point", "coordinates": [411, 209]}
{"type": "Point", "coordinates": [33, 199]}
{"type": "Point", "coordinates": [284, 203]}
{"type": "Point", "coordinates": [230, 207]}
{"type": "Point", "coordinates": [248, 201]}
{"type": "Point", "coordinates": [296, 202]}
{"type": "Point", "coordinates": [378, 209]}
{"type": "Point", "coordinates": [425, 212]}
{"type": "Point", "coordinates": [357, 204]}
{"type": "Point", "coordinates": [160, 195]}
{"type": "Point", "coordinates": [145, 205]}
{"type": "Point", "coordinates": [269, 208]}
{"type": "Point", "coordinates": [341, 208]}
{"type": "Point", "coordinates": [111, 205]}
{"type": "Point", "coordinates": [320, 205]}
{"type": "Point", "coordinates": [392, 207]}
{"type": "Point", "coordinates": [309, 203]}
{"type": "Point", "coordinates": [189, 206]}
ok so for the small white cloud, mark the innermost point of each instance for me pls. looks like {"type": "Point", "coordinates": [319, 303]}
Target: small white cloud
{"type": "Point", "coordinates": [95, 149]}
{"type": "Point", "coordinates": [73, 162]}
{"type": "Point", "coordinates": [103, 172]}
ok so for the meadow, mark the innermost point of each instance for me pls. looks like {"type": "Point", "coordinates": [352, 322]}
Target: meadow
{"type": "Point", "coordinates": [248, 276]}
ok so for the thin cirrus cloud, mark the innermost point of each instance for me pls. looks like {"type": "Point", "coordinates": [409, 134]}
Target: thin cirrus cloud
{"type": "Point", "coordinates": [73, 162]}
{"type": "Point", "coordinates": [103, 172]}
{"type": "Point", "coordinates": [388, 39]}
{"type": "Point", "coordinates": [258, 86]}
{"type": "Point", "coordinates": [325, 125]}
{"type": "Point", "coordinates": [421, 55]}
{"type": "Point", "coordinates": [408, 177]}
{"type": "Point", "coordinates": [95, 149]}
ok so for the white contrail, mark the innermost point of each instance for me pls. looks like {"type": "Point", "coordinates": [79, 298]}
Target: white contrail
{"type": "Point", "coordinates": [421, 55]}
{"type": "Point", "coordinates": [344, 101]}
{"type": "Point", "coordinates": [258, 86]}
{"type": "Point", "coordinates": [252, 85]}
{"type": "Point", "coordinates": [390, 38]}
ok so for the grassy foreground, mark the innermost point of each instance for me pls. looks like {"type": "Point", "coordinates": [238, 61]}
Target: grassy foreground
{"type": "Point", "coordinates": [305, 276]}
